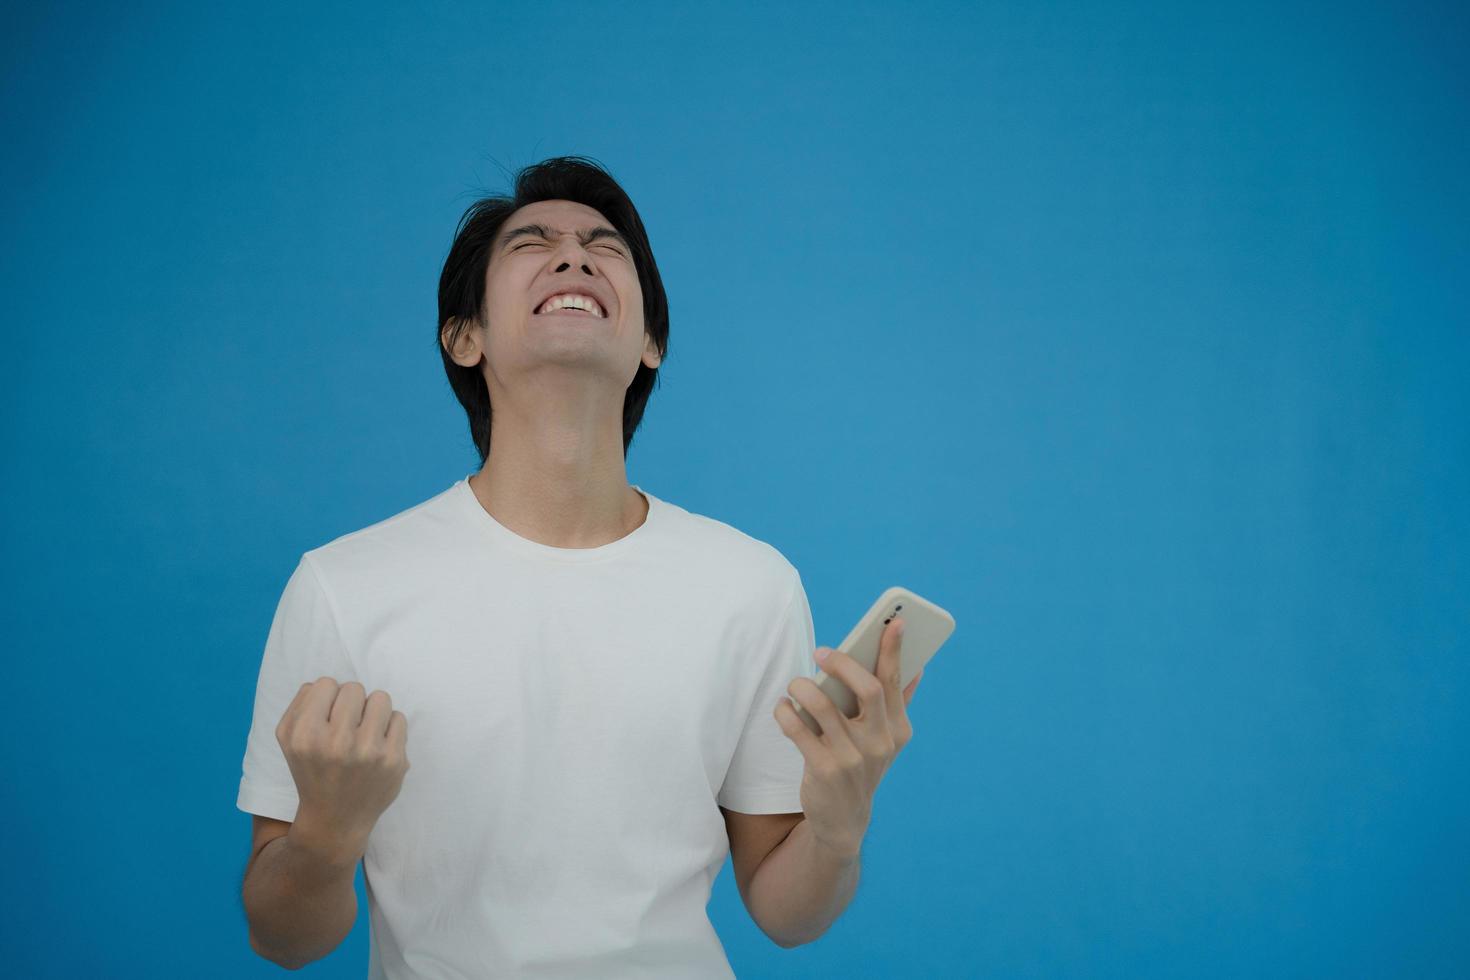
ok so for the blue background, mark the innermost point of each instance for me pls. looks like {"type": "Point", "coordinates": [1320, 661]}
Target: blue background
{"type": "Point", "coordinates": [1135, 337]}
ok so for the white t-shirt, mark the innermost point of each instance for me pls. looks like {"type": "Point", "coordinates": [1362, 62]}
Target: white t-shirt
{"type": "Point", "coordinates": [575, 716]}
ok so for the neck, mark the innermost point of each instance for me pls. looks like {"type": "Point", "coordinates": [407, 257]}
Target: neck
{"type": "Point", "coordinates": [557, 482]}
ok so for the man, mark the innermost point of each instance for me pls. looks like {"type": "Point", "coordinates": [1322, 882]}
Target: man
{"type": "Point", "coordinates": [590, 674]}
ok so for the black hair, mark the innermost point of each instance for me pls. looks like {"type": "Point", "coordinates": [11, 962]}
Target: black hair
{"type": "Point", "coordinates": [462, 283]}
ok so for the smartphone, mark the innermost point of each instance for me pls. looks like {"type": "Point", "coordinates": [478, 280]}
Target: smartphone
{"type": "Point", "coordinates": [926, 627]}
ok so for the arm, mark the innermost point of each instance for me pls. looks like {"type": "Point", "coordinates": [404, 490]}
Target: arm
{"type": "Point", "coordinates": [801, 888]}
{"type": "Point", "coordinates": [806, 883]}
{"type": "Point", "coordinates": [299, 896]}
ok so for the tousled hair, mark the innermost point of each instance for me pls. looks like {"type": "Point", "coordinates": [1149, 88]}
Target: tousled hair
{"type": "Point", "coordinates": [462, 283]}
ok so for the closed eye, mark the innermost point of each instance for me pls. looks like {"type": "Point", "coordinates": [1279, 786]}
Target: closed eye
{"type": "Point", "coordinates": [616, 250]}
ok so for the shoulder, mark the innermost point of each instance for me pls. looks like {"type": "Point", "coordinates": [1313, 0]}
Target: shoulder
{"type": "Point", "coordinates": [398, 541]}
{"type": "Point", "coordinates": [754, 564]}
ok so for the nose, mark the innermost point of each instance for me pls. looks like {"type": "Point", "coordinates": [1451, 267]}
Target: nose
{"type": "Point", "coordinates": [569, 251]}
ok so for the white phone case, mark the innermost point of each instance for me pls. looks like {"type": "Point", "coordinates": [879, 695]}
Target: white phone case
{"type": "Point", "coordinates": [926, 627]}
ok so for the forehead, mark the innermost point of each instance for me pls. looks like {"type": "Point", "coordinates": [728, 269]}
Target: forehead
{"type": "Point", "coordinates": [563, 215]}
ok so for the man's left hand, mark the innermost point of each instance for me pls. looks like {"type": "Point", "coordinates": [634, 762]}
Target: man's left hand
{"type": "Point", "coordinates": [845, 763]}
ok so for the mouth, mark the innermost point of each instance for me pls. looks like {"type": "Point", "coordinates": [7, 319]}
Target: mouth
{"type": "Point", "coordinates": [597, 311]}
{"type": "Point", "coordinates": [572, 311]}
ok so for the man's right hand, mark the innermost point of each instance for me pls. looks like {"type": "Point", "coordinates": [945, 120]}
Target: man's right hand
{"type": "Point", "coordinates": [347, 756]}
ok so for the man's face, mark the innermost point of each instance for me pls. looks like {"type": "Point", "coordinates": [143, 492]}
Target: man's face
{"type": "Point", "coordinates": [527, 267]}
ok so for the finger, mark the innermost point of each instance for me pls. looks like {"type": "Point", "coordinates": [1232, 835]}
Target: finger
{"type": "Point", "coordinates": [398, 731]}
{"type": "Point", "coordinates": [889, 662]}
{"type": "Point", "coordinates": [805, 692]}
{"type": "Point", "coordinates": [347, 708]}
{"type": "Point", "coordinates": [297, 701]}
{"type": "Point", "coordinates": [288, 717]}
{"type": "Point", "coordinates": [316, 702]}
{"type": "Point", "coordinates": [908, 692]}
{"type": "Point", "coordinates": [859, 680]}
{"type": "Point", "coordinates": [796, 730]}
{"type": "Point", "coordinates": [376, 711]}
{"type": "Point", "coordinates": [890, 669]}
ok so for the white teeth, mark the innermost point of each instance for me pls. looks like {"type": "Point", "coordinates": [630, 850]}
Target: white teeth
{"type": "Point", "coordinates": [574, 301]}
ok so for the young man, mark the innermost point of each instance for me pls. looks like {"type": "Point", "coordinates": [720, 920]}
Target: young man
{"type": "Point", "coordinates": [584, 676]}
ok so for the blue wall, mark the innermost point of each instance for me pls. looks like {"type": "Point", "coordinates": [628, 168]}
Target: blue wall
{"type": "Point", "coordinates": [1136, 338]}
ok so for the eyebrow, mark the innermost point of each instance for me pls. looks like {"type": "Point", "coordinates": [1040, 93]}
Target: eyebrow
{"type": "Point", "coordinates": [585, 237]}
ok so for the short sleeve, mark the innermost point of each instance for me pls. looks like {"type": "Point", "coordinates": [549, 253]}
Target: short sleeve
{"type": "Point", "coordinates": [304, 644]}
{"type": "Point", "coordinates": [765, 772]}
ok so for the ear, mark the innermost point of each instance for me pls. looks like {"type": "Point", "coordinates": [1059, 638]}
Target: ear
{"type": "Point", "coordinates": [651, 356]}
{"type": "Point", "coordinates": [459, 340]}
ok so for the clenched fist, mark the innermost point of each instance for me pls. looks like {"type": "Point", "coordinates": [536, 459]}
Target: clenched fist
{"type": "Point", "coordinates": [347, 756]}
